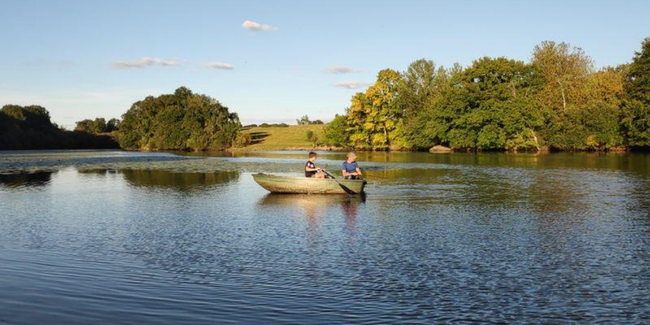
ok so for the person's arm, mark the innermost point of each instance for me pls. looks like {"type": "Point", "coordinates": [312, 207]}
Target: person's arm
{"type": "Point", "coordinates": [358, 171]}
{"type": "Point", "coordinates": [308, 169]}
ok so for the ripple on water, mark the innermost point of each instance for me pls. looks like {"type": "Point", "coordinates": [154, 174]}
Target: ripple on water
{"type": "Point", "coordinates": [106, 242]}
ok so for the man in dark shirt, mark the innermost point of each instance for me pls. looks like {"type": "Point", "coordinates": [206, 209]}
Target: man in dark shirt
{"type": "Point", "coordinates": [350, 169]}
{"type": "Point", "coordinates": [310, 168]}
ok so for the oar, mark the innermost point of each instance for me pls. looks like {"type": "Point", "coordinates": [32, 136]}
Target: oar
{"type": "Point", "coordinates": [345, 188]}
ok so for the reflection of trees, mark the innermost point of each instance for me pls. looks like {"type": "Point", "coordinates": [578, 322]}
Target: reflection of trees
{"type": "Point", "coordinates": [167, 179]}
{"type": "Point", "coordinates": [26, 179]}
{"type": "Point", "coordinates": [177, 181]}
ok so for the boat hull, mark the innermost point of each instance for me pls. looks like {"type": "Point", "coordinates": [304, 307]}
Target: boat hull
{"type": "Point", "coordinates": [305, 185]}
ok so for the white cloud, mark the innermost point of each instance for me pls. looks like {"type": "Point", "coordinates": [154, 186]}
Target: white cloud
{"type": "Point", "coordinates": [351, 84]}
{"type": "Point", "coordinates": [146, 62]}
{"type": "Point", "coordinates": [341, 69]}
{"type": "Point", "coordinates": [254, 26]}
{"type": "Point", "coordinates": [218, 65]}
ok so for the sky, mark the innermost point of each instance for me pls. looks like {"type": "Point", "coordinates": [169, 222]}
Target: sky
{"type": "Point", "coordinates": [274, 61]}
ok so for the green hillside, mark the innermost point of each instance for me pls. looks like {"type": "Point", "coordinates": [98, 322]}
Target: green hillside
{"type": "Point", "coordinates": [293, 137]}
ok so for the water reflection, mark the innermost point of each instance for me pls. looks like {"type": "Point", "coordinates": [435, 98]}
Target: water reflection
{"type": "Point", "coordinates": [183, 182]}
{"type": "Point", "coordinates": [310, 203]}
{"type": "Point", "coordinates": [178, 181]}
{"type": "Point", "coordinates": [26, 180]}
{"type": "Point", "coordinates": [434, 240]}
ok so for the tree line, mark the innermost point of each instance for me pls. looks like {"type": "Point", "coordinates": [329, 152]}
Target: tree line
{"type": "Point", "coordinates": [557, 101]}
{"type": "Point", "coordinates": [179, 121]}
{"type": "Point", "coordinates": [30, 127]}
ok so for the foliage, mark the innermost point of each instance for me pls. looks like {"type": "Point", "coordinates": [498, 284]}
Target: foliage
{"type": "Point", "coordinates": [112, 125]}
{"type": "Point", "coordinates": [494, 107]}
{"type": "Point", "coordinates": [274, 125]}
{"type": "Point", "coordinates": [242, 140]}
{"type": "Point", "coordinates": [30, 127]}
{"type": "Point", "coordinates": [564, 72]}
{"type": "Point", "coordinates": [374, 118]}
{"type": "Point", "coordinates": [636, 107]}
{"type": "Point", "coordinates": [335, 132]}
{"type": "Point", "coordinates": [557, 100]}
{"type": "Point", "coordinates": [637, 80]}
{"type": "Point", "coordinates": [179, 121]}
{"type": "Point", "coordinates": [312, 137]}
{"type": "Point", "coordinates": [306, 121]}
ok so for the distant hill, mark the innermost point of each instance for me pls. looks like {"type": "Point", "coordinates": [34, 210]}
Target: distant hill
{"type": "Point", "coordinates": [281, 138]}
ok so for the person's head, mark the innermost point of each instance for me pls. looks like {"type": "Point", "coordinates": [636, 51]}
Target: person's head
{"type": "Point", "coordinates": [351, 157]}
{"type": "Point", "coordinates": [312, 156]}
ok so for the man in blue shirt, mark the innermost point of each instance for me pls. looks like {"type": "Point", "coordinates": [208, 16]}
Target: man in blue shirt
{"type": "Point", "coordinates": [350, 169]}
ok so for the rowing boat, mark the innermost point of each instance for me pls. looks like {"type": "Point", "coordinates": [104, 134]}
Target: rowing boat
{"type": "Point", "coordinates": [305, 185]}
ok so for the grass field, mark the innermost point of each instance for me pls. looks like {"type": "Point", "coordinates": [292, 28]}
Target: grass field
{"type": "Point", "coordinates": [293, 137]}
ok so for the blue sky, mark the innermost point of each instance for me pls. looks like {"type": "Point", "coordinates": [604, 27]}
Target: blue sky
{"type": "Point", "coordinates": [87, 59]}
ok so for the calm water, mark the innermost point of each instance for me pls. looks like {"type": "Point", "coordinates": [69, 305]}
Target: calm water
{"type": "Point", "coordinates": [108, 237]}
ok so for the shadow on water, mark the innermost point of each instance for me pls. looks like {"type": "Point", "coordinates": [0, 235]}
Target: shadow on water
{"type": "Point", "coordinates": [30, 180]}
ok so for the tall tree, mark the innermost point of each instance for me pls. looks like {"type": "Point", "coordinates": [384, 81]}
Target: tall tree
{"type": "Point", "coordinates": [357, 115]}
{"type": "Point", "coordinates": [636, 119]}
{"type": "Point", "coordinates": [421, 84]}
{"type": "Point", "coordinates": [564, 71]}
{"type": "Point", "coordinates": [335, 132]}
{"type": "Point", "coordinates": [384, 114]}
{"type": "Point", "coordinates": [500, 111]}
{"type": "Point", "coordinates": [416, 86]}
{"type": "Point", "coordinates": [637, 81]}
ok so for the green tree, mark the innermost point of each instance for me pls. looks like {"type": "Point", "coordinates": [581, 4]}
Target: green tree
{"type": "Point", "coordinates": [563, 71]}
{"type": "Point", "coordinates": [432, 124]}
{"type": "Point", "coordinates": [335, 132]}
{"type": "Point", "coordinates": [303, 120]}
{"type": "Point", "coordinates": [374, 117]}
{"type": "Point", "coordinates": [636, 120]}
{"type": "Point", "coordinates": [312, 137]}
{"type": "Point", "coordinates": [112, 125]}
{"type": "Point", "coordinates": [179, 121]}
{"type": "Point", "coordinates": [418, 88]}
{"type": "Point", "coordinates": [637, 80]}
{"type": "Point", "coordinates": [95, 126]}
{"type": "Point", "coordinates": [557, 100]}
{"type": "Point", "coordinates": [357, 114]}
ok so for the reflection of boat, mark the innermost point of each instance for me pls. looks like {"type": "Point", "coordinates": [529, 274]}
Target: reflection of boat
{"type": "Point", "coordinates": [312, 203]}
{"type": "Point", "coordinates": [304, 200]}
{"type": "Point", "coordinates": [304, 185]}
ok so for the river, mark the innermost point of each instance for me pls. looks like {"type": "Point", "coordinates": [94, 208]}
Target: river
{"type": "Point", "coordinates": [113, 237]}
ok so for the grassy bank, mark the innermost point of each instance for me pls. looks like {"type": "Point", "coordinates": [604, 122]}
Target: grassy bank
{"type": "Point", "coordinates": [293, 137]}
